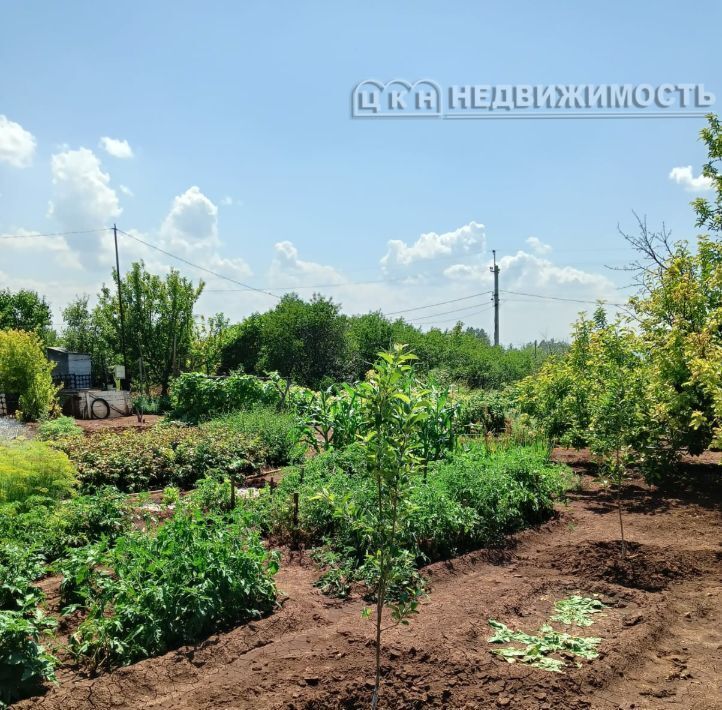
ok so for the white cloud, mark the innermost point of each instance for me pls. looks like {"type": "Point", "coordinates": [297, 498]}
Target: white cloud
{"type": "Point", "coordinates": [683, 175]}
{"type": "Point", "coordinates": [126, 190]}
{"type": "Point", "coordinates": [192, 222]}
{"type": "Point", "coordinates": [17, 146]}
{"type": "Point", "coordinates": [226, 201]}
{"type": "Point", "coordinates": [82, 196]}
{"type": "Point", "coordinates": [55, 248]}
{"type": "Point", "coordinates": [432, 245]}
{"type": "Point", "coordinates": [288, 270]}
{"type": "Point", "coordinates": [116, 147]}
{"type": "Point", "coordinates": [537, 246]}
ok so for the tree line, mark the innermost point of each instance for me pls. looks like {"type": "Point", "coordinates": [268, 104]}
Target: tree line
{"type": "Point", "coordinates": [309, 341]}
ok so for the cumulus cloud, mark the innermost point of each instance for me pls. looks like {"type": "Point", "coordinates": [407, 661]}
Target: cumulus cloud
{"type": "Point", "coordinates": [56, 249]}
{"type": "Point", "coordinates": [432, 245]}
{"type": "Point", "coordinates": [288, 268]}
{"type": "Point", "coordinates": [82, 195]}
{"type": "Point", "coordinates": [17, 146]}
{"type": "Point", "coordinates": [116, 147]}
{"type": "Point", "coordinates": [192, 222]}
{"type": "Point", "coordinates": [537, 246]}
{"type": "Point", "coordinates": [684, 176]}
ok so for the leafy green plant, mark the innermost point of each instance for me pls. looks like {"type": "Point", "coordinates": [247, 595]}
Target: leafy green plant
{"type": "Point", "coordinates": [24, 661]}
{"type": "Point", "coordinates": [160, 455]}
{"type": "Point", "coordinates": [171, 495]}
{"type": "Point", "coordinates": [54, 429]}
{"type": "Point", "coordinates": [576, 610]}
{"type": "Point", "coordinates": [152, 592]}
{"type": "Point", "coordinates": [394, 410]}
{"type": "Point", "coordinates": [538, 650]}
{"type": "Point", "coordinates": [47, 527]}
{"type": "Point", "coordinates": [33, 468]}
{"type": "Point", "coordinates": [25, 371]}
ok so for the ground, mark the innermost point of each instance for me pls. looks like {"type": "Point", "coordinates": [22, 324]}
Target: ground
{"type": "Point", "coordinates": [662, 630]}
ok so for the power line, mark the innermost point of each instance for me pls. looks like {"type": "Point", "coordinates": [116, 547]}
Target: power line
{"type": "Point", "coordinates": [439, 303]}
{"type": "Point", "coordinates": [557, 298]}
{"type": "Point", "coordinates": [55, 234]}
{"type": "Point", "coordinates": [454, 320]}
{"type": "Point", "coordinates": [201, 268]}
{"type": "Point", "coordinates": [443, 313]}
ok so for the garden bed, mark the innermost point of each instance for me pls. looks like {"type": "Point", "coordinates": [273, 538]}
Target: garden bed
{"type": "Point", "coordinates": [659, 648]}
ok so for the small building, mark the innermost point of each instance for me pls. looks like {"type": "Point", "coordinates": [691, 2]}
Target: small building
{"type": "Point", "coordinates": [72, 370]}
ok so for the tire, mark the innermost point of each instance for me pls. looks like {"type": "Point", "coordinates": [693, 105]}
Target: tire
{"type": "Point", "coordinates": [102, 412]}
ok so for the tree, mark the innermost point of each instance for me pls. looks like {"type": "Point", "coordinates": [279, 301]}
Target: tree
{"type": "Point", "coordinates": [241, 347]}
{"type": "Point", "coordinates": [25, 310]}
{"type": "Point", "coordinates": [25, 371]}
{"type": "Point", "coordinates": [394, 408]}
{"type": "Point", "coordinates": [368, 335]}
{"type": "Point", "coordinates": [304, 340]}
{"type": "Point", "coordinates": [709, 214]}
{"type": "Point", "coordinates": [158, 322]}
{"type": "Point", "coordinates": [208, 340]}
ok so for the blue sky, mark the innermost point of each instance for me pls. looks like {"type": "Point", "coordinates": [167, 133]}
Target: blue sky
{"type": "Point", "coordinates": [245, 158]}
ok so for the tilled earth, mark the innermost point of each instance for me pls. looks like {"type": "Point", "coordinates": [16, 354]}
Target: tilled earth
{"type": "Point", "coordinates": [662, 630]}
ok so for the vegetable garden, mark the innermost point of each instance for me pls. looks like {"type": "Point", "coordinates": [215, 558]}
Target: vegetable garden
{"type": "Point", "coordinates": [395, 541]}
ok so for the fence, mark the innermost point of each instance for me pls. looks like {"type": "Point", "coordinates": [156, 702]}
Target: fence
{"type": "Point", "coordinates": [74, 382]}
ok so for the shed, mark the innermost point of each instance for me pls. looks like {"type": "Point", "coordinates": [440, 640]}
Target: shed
{"type": "Point", "coordinates": [72, 369]}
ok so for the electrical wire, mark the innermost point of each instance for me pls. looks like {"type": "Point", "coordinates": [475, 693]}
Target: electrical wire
{"type": "Point", "coordinates": [439, 303]}
{"type": "Point", "coordinates": [443, 313]}
{"type": "Point", "coordinates": [555, 298]}
{"type": "Point", "coordinates": [201, 268]}
{"type": "Point", "coordinates": [55, 234]}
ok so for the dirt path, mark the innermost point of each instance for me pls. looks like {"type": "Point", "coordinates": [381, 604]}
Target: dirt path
{"type": "Point", "coordinates": [662, 634]}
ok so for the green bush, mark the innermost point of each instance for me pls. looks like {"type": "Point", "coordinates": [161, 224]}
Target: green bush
{"type": "Point", "coordinates": [160, 456]}
{"type": "Point", "coordinates": [153, 592]}
{"type": "Point", "coordinates": [24, 662]}
{"type": "Point", "coordinates": [471, 499]}
{"type": "Point", "coordinates": [195, 396]}
{"type": "Point", "coordinates": [33, 468]}
{"type": "Point", "coordinates": [45, 527]}
{"type": "Point", "coordinates": [54, 429]}
{"type": "Point", "coordinates": [25, 371]}
{"type": "Point", "coordinates": [279, 432]}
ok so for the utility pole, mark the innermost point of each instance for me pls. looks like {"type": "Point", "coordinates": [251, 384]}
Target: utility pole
{"type": "Point", "coordinates": [120, 309]}
{"type": "Point", "coordinates": [495, 270]}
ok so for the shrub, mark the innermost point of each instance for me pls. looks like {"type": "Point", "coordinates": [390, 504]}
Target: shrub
{"type": "Point", "coordinates": [278, 431]}
{"type": "Point", "coordinates": [195, 396]}
{"type": "Point", "coordinates": [45, 527]}
{"type": "Point", "coordinates": [24, 662]}
{"type": "Point", "coordinates": [33, 468]}
{"type": "Point", "coordinates": [160, 456]}
{"type": "Point", "coordinates": [25, 371]}
{"type": "Point", "coordinates": [469, 500]}
{"type": "Point", "coordinates": [153, 592]}
{"type": "Point", "coordinates": [54, 429]}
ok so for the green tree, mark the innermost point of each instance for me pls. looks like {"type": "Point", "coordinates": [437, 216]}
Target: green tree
{"type": "Point", "coordinates": [208, 341]}
{"type": "Point", "coordinates": [368, 335]}
{"type": "Point", "coordinates": [158, 322]}
{"type": "Point", "coordinates": [241, 347]}
{"type": "Point", "coordinates": [25, 371]}
{"type": "Point", "coordinates": [25, 310]}
{"type": "Point", "coordinates": [304, 340]}
{"type": "Point", "coordinates": [709, 213]}
{"type": "Point", "coordinates": [394, 408]}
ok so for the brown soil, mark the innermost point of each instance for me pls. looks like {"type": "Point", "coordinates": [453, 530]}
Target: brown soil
{"type": "Point", "coordinates": [662, 630]}
{"type": "Point", "coordinates": [118, 423]}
